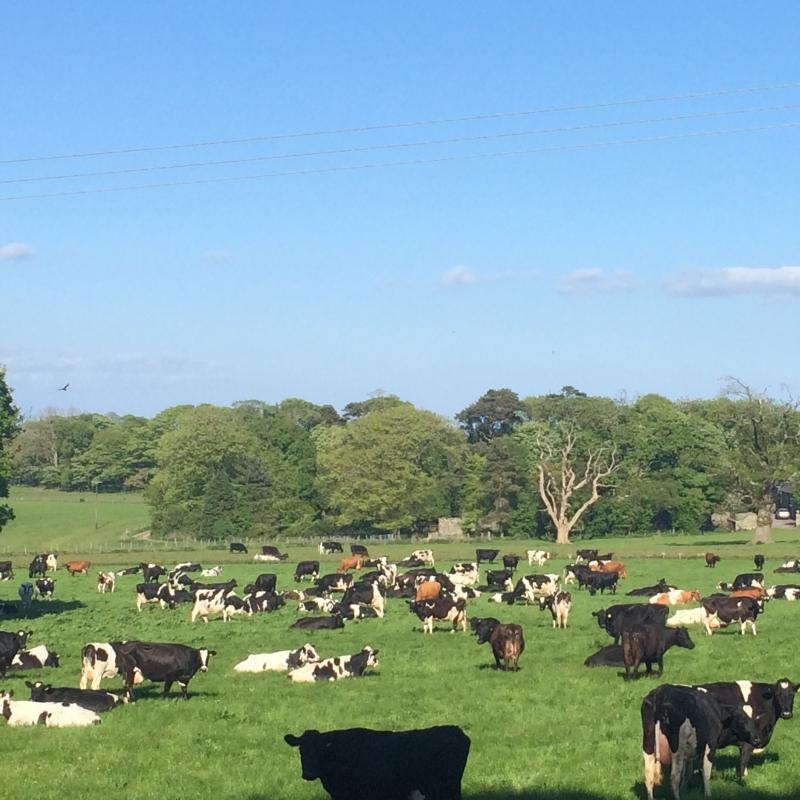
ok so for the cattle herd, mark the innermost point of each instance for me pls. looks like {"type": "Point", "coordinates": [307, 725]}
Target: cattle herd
{"type": "Point", "coordinates": [680, 723]}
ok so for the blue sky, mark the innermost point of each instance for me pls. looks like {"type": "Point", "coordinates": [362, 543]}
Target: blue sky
{"type": "Point", "coordinates": [659, 266]}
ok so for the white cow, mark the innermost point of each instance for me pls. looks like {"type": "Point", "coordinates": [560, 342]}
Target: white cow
{"type": "Point", "coordinates": [539, 557]}
{"type": "Point", "coordinates": [281, 661]}
{"type": "Point", "coordinates": [52, 715]}
{"type": "Point", "coordinates": [692, 616]}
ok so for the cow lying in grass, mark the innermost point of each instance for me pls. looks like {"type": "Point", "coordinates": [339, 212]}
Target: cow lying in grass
{"type": "Point", "coordinates": [334, 669]}
{"type": "Point", "coordinates": [51, 715]}
{"type": "Point", "coordinates": [280, 661]}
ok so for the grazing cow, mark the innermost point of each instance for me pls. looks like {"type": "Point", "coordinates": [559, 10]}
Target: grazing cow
{"type": "Point", "coordinates": [129, 571]}
{"type": "Point", "coordinates": [611, 655]}
{"type": "Point", "coordinates": [585, 555]}
{"type": "Point", "coordinates": [306, 569]}
{"type": "Point", "coordinates": [334, 669]}
{"type": "Point", "coordinates": [649, 591]}
{"type": "Point", "coordinates": [577, 573]}
{"type": "Point", "coordinates": [89, 699]}
{"type": "Point", "coordinates": [170, 663]}
{"type": "Point", "coordinates": [676, 597]}
{"type": "Point", "coordinates": [680, 724]}
{"type": "Point", "coordinates": [538, 557]}
{"type": "Point", "coordinates": [10, 645]}
{"type": "Point", "coordinates": [559, 605]}
{"type": "Point", "coordinates": [359, 550]}
{"type": "Point", "coordinates": [602, 581]}
{"type": "Point", "coordinates": [608, 566]}
{"type": "Point", "coordinates": [336, 582]}
{"type": "Point", "coordinates": [351, 562]}
{"type": "Point", "coordinates": [442, 609]}
{"type": "Point", "coordinates": [764, 703]}
{"type": "Point", "coordinates": [743, 610]}
{"type": "Point", "coordinates": [6, 571]}
{"type": "Point", "coordinates": [38, 566]}
{"type": "Point", "coordinates": [758, 561]}
{"type": "Point", "coordinates": [318, 623]}
{"type": "Point", "coordinates": [788, 591]}
{"type": "Point", "coordinates": [36, 658]}
{"type": "Point", "coordinates": [281, 661]}
{"type": "Point", "coordinates": [326, 548]}
{"type": "Point", "coordinates": [51, 715]}
{"type": "Point", "coordinates": [507, 643]}
{"type": "Point", "coordinates": [105, 580]}
{"type": "Point", "coordinates": [648, 643]}
{"type": "Point", "coordinates": [77, 567]}
{"type": "Point", "coordinates": [511, 561]}
{"type": "Point", "coordinates": [237, 547]}
{"type": "Point", "coordinates": [264, 602]}
{"type": "Point", "coordinates": [152, 572]}
{"type": "Point", "coordinates": [362, 764]}
{"type": "Point", "coordinates": [271, 550]}
{"type": "Point", "coordinates": [25, 592]}
{"type": "Point", "coordinates": [712, 559]}
{"type": "Point", "coordinates": [161, 593]}
{"type": "Point", "coordinates": [615, 619]}
{"type": "Point", "coordinates": [692, 616]}
{"type": "Point", "coordinates": [212, 572]}
{"type": "Point", "coordinates": [485, 555]}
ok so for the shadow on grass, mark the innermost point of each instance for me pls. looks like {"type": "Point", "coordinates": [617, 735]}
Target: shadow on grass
{"type": "Point", "coordinates": [709, 543]}
{"type": "Point", "coordinates": [12, 610]}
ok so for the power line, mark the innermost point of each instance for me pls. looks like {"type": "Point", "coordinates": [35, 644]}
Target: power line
{"type": "Point", "coordinates": [413, 123]}
{"type": "Point", "coordinates": [401, 145]}
{"type": "Point", "coordinates": [411, 162]}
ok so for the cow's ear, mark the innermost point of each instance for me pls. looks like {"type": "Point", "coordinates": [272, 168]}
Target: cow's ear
{"type": "Point", "coordinates": [212, 652]}
{"type": "Point", "coordinates": [292, 741]}
{"type": "Point", "coordinates": [29, 684]}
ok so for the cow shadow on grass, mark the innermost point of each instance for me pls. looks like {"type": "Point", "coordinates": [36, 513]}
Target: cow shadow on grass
{"type": "Point", "coordinates": [43, 608]}
{"type": "Point", "coordinates": [155, 692]}
{"type": "Point", "coordinates": [712, 543]}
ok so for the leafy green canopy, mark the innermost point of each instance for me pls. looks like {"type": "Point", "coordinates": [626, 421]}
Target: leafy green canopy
{"type": "Point", "coordinates": [9, 418]}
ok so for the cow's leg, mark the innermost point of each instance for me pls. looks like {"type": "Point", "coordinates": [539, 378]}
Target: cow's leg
{"type": "Point", "coordinates": [167, 687]}
{"type": "Point", "coordinates": [184, 687]}
{"type": "Point", "coordinates": [651, 776]}
{"type": "Point", "coordinates": [708, 763]}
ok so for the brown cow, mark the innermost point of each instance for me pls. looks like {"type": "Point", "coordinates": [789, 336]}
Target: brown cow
{"type": "Point", "coordinates": [351, 562]}
{"type": "Point", "coordinates": [428, 590]}
{"type": "Point", "coordinates": [609, 566]}
{"type": "Point", "coordinates": [754, 593]}
{"type": "Point", "coordinates": [676, 597]}
{"type": "Point", "coordinates": [74, 567]}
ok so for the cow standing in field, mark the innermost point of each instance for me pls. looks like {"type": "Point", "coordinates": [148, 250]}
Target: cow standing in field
{"type": "Point", "coordinates": [615, 619]}
{"type": "Point", "coordinates": [507, 642]}
{"type": "Point", "coordinates": [758, 561]}
{"type": "Point", "coordinates": [712, 559]}
{"type": "Point", "coordinates": [559, 605]}
{"type": "Point", "coordinates": [483, 554]}
{"type": "Point", "coordinates": [105, 581]}
{"type": "Point", "coordinates": [648, 643]}
{"type": "Point", "coordinates": [170, 663]}
{"type": "Point", "coordinates": [10, 645]}
{"type": "Point", "coordinates": [726, 610]}
{"type": "Point", "coordinates": [351, 562]}
{"type": "Point", "coordinates": [237, 547]}
{"type": "Point", "coordinates": [6, 571]}
{"type": "Point", "coordinates": [326, 548]}
{"type": "Point", "coordinates": [306, 569]}
{"type": "Point", "coordinates": [80, 567]}
{"type": "Point", "coordinates": [25, 596]}
{"type": "Point", "coordinates": [443, 609]}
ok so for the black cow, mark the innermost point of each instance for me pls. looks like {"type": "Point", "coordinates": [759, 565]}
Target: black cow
{"type": "Point", "coordinates": [38, 566]}
{"type": "Point", "coordinates": [152, 572]}
{"type": "Point", "coordinates": [764, 703]}
{"type": "Point", "coordinates": [129, 570]}
{"type": "Point", "coordinates": [326, 548]}
{"type": "Point", "coordinates": [611, 654]}
{"type": "Point", "coordinates": [10, 645]}
{"type": "Point", "coordinates": [227, 586]}
{"type": "Point", "coordinates": [498, 577]}
{"type": "Point", "coordinates": [676, 717]}
{"type": "Point", "coordinates": [170, 663]}
{"type": "Point", "coordinates": [362, 764]}
{"type": "Point", "coordinates": [359, 550]}
{"type": "Point", "coordinates": [602, 581]}
{"type": "Point", "coordinates": [648, 643]}
{"type": "Point", "coordinates": [615, 619]}
{"type": "Point", "coordinates": [336, 582]}
{"type": "Point", "coordinates": [237, 547]}
{"type": "Point", "coordinates": [507, 642]}
{"type": "Point", "coordinates": [187, 566]}
{"type": "Point", "coordinates": [580, 572]}
{"type": "Point", "coordinates": [45, 587]}
{"type": "Point", "coordinates": [748, 580]}
{"type": "Point", "coordinates": [648, 591]}
{"type": "Point", "coordinates": [409, 579]}
{"type": "Point", "coordinates": [271, 550]}
{"type": "Point", "coordinates": [305, 569]}
{"type": "Point", "coordinates": [485, 555]}
{"type": "Point", "coordinates": [161, 593]}
{"type": "Point", "coordinates": [586, 555]}
{"type": "Point", "coordinates": [94, 700]}
{"type": "Point", "coordinates": [318, 623]}
{"type": "Point", "coordinates": [743, 610]}
{"type": "Point", "coordinates": [758, 561]}
{"type": "Point", "coordinates": [266, 582]}
{"type": "Point", "coordinates": [510, 562]}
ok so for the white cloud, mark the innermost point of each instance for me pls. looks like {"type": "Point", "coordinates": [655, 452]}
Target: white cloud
{"type": "Point", "coordinates": [594, 279]}
{"type": "Point", "coordinates": [734, 280]}
{"type": "Point", "coordinates": [15, 251]}
{"type": "Point", "coordinates": [458, 276]}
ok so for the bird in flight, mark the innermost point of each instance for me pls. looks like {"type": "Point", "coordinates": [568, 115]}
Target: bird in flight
{"type": "Point", "coordinates": [63, 388]}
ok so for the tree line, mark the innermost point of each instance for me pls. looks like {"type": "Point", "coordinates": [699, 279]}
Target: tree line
{"type": "Point", "coordinates": [550, 466]}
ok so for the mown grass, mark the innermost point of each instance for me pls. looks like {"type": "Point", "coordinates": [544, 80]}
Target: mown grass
{"type": "Point", "coordinates": [554, 730]}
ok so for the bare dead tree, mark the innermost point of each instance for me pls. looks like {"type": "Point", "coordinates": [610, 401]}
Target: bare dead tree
{"type": "Point", "coordinates": [561, 479]}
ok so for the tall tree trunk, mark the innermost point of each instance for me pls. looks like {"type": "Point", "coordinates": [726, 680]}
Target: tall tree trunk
{"type": "Point", "coordinates": [562, 532]}
{"type": "Point", "coordinates": [763, 533]}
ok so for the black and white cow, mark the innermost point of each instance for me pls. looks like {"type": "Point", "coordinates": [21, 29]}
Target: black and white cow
{"type": "Point", "coordinates": [161, 593]}
{"type": "Point", "coordinates": [786, 591]}
{"type": "Point", "coordinates": [90, 699]}
{"type": "Point", "coordinates": [577, 573]}
{"type": "Point", "coordinates": [559, 605]}
{"type": "Point", "coordinates": [236, 547]}
{"type": "Point", "coordinates": [764, 703]}
{"type": "Point", "coordinates": [615, 619]}
{"type": "Point", "coordinates": [680, 724]}
{"type": "Point", "coordinates": [271, 550]}
{"type": "Point", "coordinates": [368, 594]}
{"type": "Point", "coordinates": [362, 764]}
{"type": "Point", "coordinates": [264, 602]}
{"type": "Point", "coordinates": [170, 663]}
{"type": "Point", "coordinates": [337, 582]}
{"type": "Point", "coordinates": [318, 623]}
{"type": "Point", "coordinates": [649, 591]}
{"type": "Point", "coordinates": [100, 660]}
{"type": "Point", "coordinates": [281, 661]}
{"type": "Point", "coordinates": [37, 657]}
{"type": "Point", "coordinates": [747, 580]}
{"type": "Point", "coordinates": [334, 669]}
{"type": "Point", "coordinates": [306, 569]}
{"type": "Point", "coordinates": [442, 609]}
{"type": "Point", "coordinates": [38, 566]}
{"type": "Point", "coordinates": [6, 571]}
{"type": "Point", "coordinates": [726, 610]}
{"type": "Point", "coordinates": [326, 548]}
{"type": "Point", "coordinates": [152, 572]}
{"type": "Point", "coordinates": [129, 571]}
{"type": "Point", "coordinates": [10, 645]}
{"type": "Point", "coordinates": [585, 555]}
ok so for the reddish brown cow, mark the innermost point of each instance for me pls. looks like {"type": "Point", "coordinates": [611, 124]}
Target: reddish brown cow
{"type": "Point", "coordinates": [754, 593]}
{"type": "Point", "coordinates": [675, 597]}
{"type": "Point", "coordinates": [609, 566]}
{"type": "Point", "coordinates": [74, 567]}
{"type": "Point", "coordinates": [428, 590]}
{"type": "Point", "coordinates": [351, 562]}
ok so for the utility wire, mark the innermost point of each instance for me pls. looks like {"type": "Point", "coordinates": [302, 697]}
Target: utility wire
{"type": "Point", "coordinates": [412, 162]}
{"type": "Point", "coordinates": [413, 123]}
{"type": "Point", "coordinates": [400, 145]}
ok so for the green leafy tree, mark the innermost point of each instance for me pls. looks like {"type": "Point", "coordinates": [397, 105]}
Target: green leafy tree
{"type": "Point", "coordinates": [494, 414]}
{"type": "Point", "coordinates": [219, 503]}
{"type": "Point", "coordinates": [9, 422]}
{"type": "Point", "coordinates": [380, 403]}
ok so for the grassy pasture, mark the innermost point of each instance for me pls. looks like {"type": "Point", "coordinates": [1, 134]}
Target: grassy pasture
{"type": "Point", "coordinates": [554, 730]}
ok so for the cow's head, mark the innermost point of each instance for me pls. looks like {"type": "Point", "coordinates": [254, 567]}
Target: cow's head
{"type": "Point", "coordinates": [683, 639]}
{"type": "Point", "coordinates": [782, 694]}
{"type": "Point", "coordinates": [314, 752]}
{"type": "Point", "coordinates": [603, 617]}
{"type": "Point", "coordinates": [205, 655]}
{"type": "Point", "coordinates": [23, 637]}
{"type": "Point", "coordinates": [740, 728]}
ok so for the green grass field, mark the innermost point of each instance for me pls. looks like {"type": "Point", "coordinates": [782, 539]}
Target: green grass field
{"type": "Point", "coordinates": [554, 730]}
